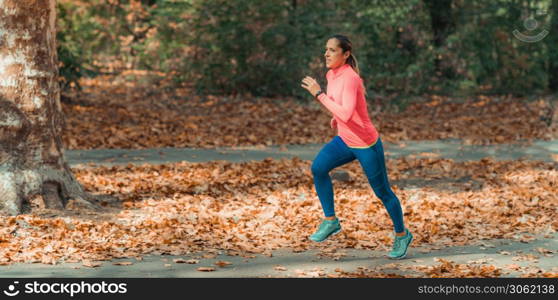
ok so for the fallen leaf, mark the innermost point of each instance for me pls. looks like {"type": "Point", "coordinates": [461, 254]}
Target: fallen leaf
{"type": "Point", "coordinates": [222, 263]}
{"type": "Point", "coordinates": [280, 268]}
{"type": "Point", "coordinates": [544, 251]}
{"type": "Point", "coordinates": [91, 264]}
{"type": "Point", "coordinates": [512, 267]}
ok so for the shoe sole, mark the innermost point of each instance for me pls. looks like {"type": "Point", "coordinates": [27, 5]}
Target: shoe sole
{"type": "Point", "coordinates": [406, 249]}
{"type": "Point", "coordinates": [332, 234]}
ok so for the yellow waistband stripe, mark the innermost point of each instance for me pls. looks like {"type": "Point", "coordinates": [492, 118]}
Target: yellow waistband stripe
{"type": "Point", "coordinates": [366, 146]}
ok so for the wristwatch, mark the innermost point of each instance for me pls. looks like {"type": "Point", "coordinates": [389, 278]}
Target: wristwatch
{"type": "Point", "coordinates": [317, 94]}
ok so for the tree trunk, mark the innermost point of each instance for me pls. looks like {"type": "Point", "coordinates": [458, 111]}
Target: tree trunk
{"type": "Point", "coordinates": [32, 162]}
{"type": "Point", "coordinates": [552, 43]}
{"type": "Point", "coordinates": [441, 20]}
{"type": "Point", "coordinates": [442, 24]}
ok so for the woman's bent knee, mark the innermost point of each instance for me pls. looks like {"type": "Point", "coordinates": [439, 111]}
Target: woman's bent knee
{"type": "Point", "coordinates": [319, 169]}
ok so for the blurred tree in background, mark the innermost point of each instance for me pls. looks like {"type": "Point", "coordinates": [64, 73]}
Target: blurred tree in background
{"type": "Point", "coordinates": [76, 32]}
{"type": "Point", "coordinates": [264, 48]}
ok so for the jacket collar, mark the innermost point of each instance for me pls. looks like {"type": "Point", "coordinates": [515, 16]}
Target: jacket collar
{"type": "Point", "coordinates": [339, 70]}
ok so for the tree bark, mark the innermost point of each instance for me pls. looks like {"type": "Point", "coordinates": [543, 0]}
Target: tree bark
{"type": "Point", "coordinates": [552, 43]}
{"type": "Point", "coordinates": [441, 20]}
{"type": "Point", "coordinates": [442, 24]}
{"type": "Point", "coordinates": [32, 162]}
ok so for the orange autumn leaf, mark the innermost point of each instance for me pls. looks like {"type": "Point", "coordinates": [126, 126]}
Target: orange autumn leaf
{"type": "Point", "coordinates": [222, 263]}
{"type": "Point", "coordinates": [280, 268]}
{"type": "Point", "coordinates": [91, 264]}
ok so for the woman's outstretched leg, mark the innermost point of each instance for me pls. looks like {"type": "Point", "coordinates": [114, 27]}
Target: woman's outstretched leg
{"type": "Point", "coordinates": [372, 161]}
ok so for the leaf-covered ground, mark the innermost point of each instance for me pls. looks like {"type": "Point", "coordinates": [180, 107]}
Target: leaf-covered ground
{"type": "Point", "coordinates": [117, 114]}
{"type": "Point", "coordinates": [256, 207]}
{"type": "Point", "coordinates": [443, 268]}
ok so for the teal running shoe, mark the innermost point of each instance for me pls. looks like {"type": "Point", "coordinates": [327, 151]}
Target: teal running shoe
{"type": "Point", "coordinates": [400, 245]}
{"type": "Point", "coordinates": [327, 229]}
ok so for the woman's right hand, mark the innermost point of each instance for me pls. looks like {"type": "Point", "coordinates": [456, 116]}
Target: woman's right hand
{"type": "Point", "coordinates": [333, 123]}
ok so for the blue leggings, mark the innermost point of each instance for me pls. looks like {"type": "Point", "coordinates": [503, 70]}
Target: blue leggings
{"type": "Point", "coordinates": [337, 153]}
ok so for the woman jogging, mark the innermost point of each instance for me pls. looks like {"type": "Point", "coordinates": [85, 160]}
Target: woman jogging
{"type": "Point", "coordinates": [357, 139]}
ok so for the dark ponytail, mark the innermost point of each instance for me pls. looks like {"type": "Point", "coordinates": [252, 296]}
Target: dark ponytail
{"type": "Point", "coordinates": [352, 61]}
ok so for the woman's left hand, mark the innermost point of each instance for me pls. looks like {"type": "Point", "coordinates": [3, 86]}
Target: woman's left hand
{"type": "Point", "coordinates": [311, 85]}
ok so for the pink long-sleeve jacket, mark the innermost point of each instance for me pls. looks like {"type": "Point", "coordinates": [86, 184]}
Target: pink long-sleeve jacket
{"type": "Point", "coordinates": [345, 100]}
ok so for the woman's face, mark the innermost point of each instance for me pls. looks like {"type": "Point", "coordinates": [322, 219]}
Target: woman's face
{"type": "Point", "coordinates": [334, 56]}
